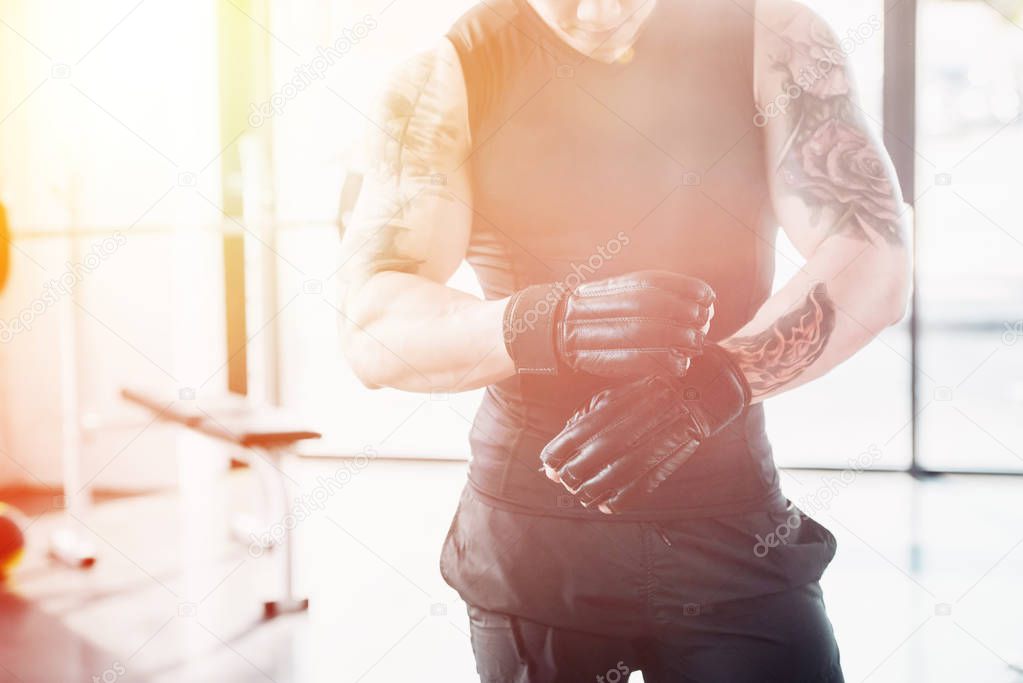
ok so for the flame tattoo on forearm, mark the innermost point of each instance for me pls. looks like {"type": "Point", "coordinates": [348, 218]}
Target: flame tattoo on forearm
{"type": "Point", "coordinates": [778, 355]}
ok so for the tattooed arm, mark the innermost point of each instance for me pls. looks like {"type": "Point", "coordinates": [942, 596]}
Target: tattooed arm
{"type": "Point", "coordinates": [401, 326]}
{"type": "Point", "coordinates": [835, 195]}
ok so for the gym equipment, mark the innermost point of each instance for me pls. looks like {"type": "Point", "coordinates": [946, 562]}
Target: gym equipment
{"type": "Point", "coordinates": [268, 432]}
{"type": "Point", "coordinates": [68, 545]}
{"type": "Point", "coordinates": [12, 539]}
{"type": "Point", "coordinates": [5, 248]}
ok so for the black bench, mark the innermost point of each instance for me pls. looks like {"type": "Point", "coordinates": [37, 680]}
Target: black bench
{"type": "Point", "coordinates": [262, 430]}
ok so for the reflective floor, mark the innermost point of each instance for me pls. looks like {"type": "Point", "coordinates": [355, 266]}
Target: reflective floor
{"type": "Point", "coordinates": [925, 587]}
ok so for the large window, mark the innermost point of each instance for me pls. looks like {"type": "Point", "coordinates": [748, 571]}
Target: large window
{"type": "Point", "coordinates": [970, 243]}
{"type": "Point", "coordinates": [108, 167]}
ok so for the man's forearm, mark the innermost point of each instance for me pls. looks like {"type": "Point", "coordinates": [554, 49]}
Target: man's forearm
{"type": "Point", "coordinates": [835, 192]}
{"type": "Point", "coordinates": [407, 332]}
{"type": "Point", "coordinates": [843, 298]}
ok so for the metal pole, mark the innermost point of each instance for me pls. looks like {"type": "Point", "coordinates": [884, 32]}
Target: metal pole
{"type": "Point", "coordinates": [900, 140]}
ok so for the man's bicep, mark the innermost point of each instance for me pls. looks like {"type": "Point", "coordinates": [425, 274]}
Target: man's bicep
{"type": "Point", "coordinates": [829, 174]}
{"type": "Point", "coordinates": [413, 214]}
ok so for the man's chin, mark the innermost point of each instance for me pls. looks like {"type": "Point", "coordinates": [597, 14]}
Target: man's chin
{"type": "Point", "coordinates": [606, 54]}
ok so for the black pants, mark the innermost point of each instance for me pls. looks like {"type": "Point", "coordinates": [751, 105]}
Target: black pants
{"type": "Point", "coordinates": [785, 637]}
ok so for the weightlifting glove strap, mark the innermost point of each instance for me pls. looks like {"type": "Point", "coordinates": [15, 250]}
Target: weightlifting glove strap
{"type": "Point", "coordinates": [529, 328]}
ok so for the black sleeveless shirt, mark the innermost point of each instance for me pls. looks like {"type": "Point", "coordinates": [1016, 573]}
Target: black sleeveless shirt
{"type": "Point", "coordinates": [582, 170]}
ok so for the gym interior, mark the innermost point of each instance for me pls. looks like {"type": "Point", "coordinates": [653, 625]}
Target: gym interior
{"type": "Point", "coordinates": [196, 487]}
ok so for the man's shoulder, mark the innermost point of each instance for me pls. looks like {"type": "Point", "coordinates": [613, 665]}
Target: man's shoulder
{"type": "Point", "coordinates": [485, 21]}
{"type": "Point", "coordinates": [780, 18]}
{"type": "Point", "coordinates": [789, 33]}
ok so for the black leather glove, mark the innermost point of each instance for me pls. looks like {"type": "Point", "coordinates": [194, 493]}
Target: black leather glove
{"type": "Point", "coordinates": [625, 326]}
{"type": "Point", "coordinates": [631, 438]}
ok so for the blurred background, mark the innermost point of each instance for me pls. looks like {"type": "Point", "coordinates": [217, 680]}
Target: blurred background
{"type": "Point", "coordinates": [172, 175]}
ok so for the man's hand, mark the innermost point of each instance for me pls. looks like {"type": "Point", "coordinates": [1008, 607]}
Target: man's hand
{"type": "Point", "coordinates": [626, 326]}
{"type": "Point", "coordinates": [631, 438]}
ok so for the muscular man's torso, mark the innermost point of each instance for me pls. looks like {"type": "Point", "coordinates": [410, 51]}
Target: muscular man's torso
{"type": "Point", "coordinates": [582, 170]}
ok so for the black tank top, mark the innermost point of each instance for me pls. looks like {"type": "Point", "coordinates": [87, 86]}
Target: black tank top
{"type": "Point", "coordinates": [582, 170]}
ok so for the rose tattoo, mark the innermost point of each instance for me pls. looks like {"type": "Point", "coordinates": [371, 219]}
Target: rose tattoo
{"type": "Point", "coordinates": [828, 162]}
